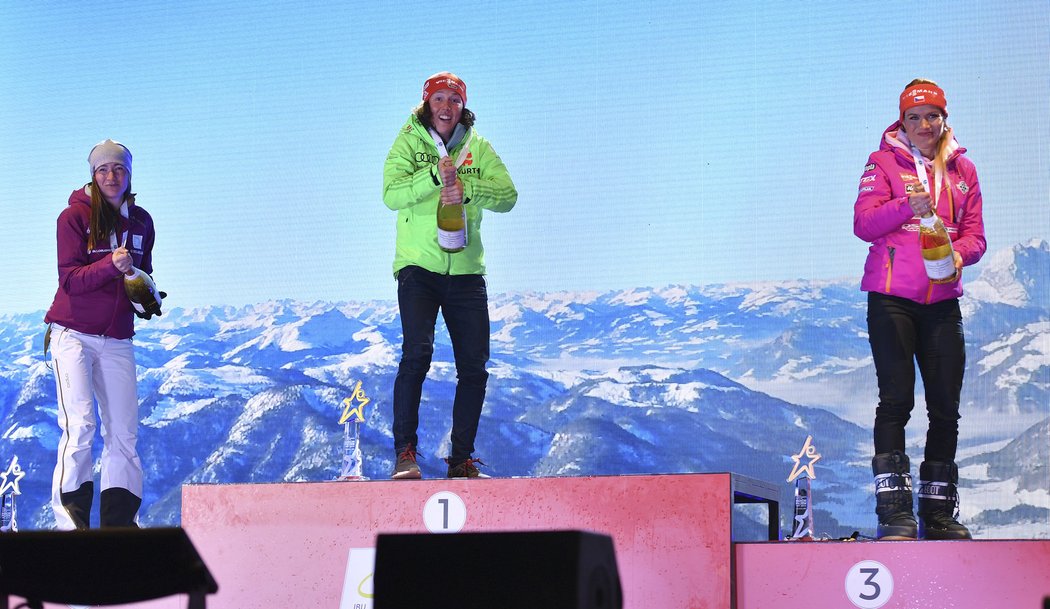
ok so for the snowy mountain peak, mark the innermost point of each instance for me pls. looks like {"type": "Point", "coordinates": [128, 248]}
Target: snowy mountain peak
{"type": "Point", "coordinates": [1015, 276]}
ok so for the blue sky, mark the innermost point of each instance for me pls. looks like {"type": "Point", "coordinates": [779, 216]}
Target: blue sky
{"type": "Point", "coordinates": [651, 143]}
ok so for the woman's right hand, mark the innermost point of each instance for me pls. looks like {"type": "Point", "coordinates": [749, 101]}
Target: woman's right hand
{"type": "Point", "coordinates": [122, 260]}
{"type": "Point", "coordinates": [921, 203]}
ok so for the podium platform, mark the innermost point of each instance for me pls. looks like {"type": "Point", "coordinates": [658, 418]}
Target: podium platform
{"type": "Point", "coordinates": [288, 544]}
{"type": "Point", "coordinates": [978, 574]}
{"type": "Point", "coordinates": [296, 544]}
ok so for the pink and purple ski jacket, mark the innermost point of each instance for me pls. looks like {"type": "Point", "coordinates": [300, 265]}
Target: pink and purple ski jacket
{"type": "Point", "coordinates": [882, 217]}
{"type": "Point", "coordinates": [91, 297]}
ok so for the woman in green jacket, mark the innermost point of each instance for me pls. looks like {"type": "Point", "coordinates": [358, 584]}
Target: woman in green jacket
{"type": "Point", "coordinates": [437, 159]}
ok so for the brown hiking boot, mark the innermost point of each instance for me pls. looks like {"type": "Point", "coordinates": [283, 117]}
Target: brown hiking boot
{"type": "Point", "coordinates": [465, 469]}
{"type": "Point", "coordinates": [406, 467]}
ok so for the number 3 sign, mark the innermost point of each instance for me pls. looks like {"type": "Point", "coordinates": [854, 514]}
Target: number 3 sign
{"type": "Point", "coordinates": [869, 584]}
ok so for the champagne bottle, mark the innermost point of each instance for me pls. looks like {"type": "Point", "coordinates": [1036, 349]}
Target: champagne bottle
{"type": "Point", "coordinates": [452, 227]}
{"type": "Point", "coordinates": [937, 252]}
{"type": "Point", "coordinates": [451, 220]}
{"type": "Point", "coordinates": [142, 292]}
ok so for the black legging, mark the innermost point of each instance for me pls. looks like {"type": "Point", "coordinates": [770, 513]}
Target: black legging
{"type": "Point", "coordinates": [902, 332]}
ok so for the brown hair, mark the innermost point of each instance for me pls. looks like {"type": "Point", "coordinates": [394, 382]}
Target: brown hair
{"type": "Point", "coordinates": [104, 218]}
{"type": "Point", "coordinates": [423, 113]}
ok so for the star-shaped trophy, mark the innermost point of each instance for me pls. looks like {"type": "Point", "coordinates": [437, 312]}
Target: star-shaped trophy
{"type": "Point", "coordinates": [8, 489]}
{"type": "Point", "coordinates": [802, 475]}
{"type": "Point", "coordinates": [351, 419]}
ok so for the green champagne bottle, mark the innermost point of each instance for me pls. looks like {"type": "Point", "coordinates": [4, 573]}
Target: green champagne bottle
{"type": "Point", "coordinates": [142, 292]}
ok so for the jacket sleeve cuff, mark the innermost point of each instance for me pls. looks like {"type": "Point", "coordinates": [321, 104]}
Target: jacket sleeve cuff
{"type": "Point", "coordinates": [905, 209]}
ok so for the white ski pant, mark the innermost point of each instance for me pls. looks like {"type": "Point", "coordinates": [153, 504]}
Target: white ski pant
{"type": "Point", "coordinates": [89, 368]}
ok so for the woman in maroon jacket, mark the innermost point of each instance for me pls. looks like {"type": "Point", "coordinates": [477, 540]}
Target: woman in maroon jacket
{"type": "Point", "coordinates": [102, 234]}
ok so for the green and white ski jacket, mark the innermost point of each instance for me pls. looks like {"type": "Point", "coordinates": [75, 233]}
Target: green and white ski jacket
{"type": "Point", "coordinates": [412, 187]}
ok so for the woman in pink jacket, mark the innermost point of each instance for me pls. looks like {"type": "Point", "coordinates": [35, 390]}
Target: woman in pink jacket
{"type": "Point", "coordinates": [919, 169]}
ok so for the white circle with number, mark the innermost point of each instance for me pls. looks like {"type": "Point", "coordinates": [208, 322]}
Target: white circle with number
{"type": "Point", "coordinates": [869, 584]}
{"type": "Point", "coordinates": [444, 512]}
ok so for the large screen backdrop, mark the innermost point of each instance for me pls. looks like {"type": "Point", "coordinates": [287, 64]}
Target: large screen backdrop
{"type": "Point", "coordinates": [676, 290]}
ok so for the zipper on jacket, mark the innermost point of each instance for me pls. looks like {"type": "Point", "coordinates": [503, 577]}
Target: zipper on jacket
{"type": "Point", "coordinates": [889, 268]}
{"type": "Point", "coordinates": [929, 292]}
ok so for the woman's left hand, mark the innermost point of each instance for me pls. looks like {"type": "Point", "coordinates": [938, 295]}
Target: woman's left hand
{"type": "Point", "coordinates": [958, 261]}
{"type": "Point", "coordinates": [452, 194]}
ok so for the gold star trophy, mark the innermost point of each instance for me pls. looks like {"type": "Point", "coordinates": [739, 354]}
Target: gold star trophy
{"type": "Point", "coordinates": [8, 489]}
{"type": "Point", "coordinates": [352, 461]}
{"type": "Point", "coordinates": [801, 475]}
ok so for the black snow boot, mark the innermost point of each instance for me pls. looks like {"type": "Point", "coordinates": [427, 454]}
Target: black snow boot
{"type": "Point", "coordinates": [939, 501]}
{"type": "Point", "coordinates": [119, 506]}
{"type": "Point", "coordinates": [893, 502]}
{"type": "Point", "coordinates": [78, 504]}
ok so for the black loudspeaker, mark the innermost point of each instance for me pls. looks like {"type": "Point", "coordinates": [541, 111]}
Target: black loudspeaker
{"type": "Point", "coordinates": [519, 570]}
{"type": "Point", "coordinates": [102, 567]}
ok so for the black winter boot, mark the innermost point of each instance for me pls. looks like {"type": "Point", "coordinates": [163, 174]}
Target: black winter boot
{"type": "Point", "coordinates": [893, 502]}
{"type": "Point", "coordinates": [78, 504]}
{"type": "Point", "coordinates": [939, 501]}
{"type": "Point", "coordinates": [119, 506]}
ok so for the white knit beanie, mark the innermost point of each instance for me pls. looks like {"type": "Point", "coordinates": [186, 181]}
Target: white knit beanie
{"type": "Point", "coordinates": [108, 151]}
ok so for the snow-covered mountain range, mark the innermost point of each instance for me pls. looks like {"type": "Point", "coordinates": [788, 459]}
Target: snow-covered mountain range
{"type": "Point", "coordinates": [676, 379]}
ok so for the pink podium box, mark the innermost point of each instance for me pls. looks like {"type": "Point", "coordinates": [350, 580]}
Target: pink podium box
{"type": "Point", "coordinates": [285, 545]}
{"type": "Point", "coordinates": [1007, 574]}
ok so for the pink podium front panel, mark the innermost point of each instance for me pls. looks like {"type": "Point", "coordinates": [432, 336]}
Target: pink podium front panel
{"type": "Point", "coordinates": [286, 545]}
{"type": "Point", "coordinates": [893, 574]}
